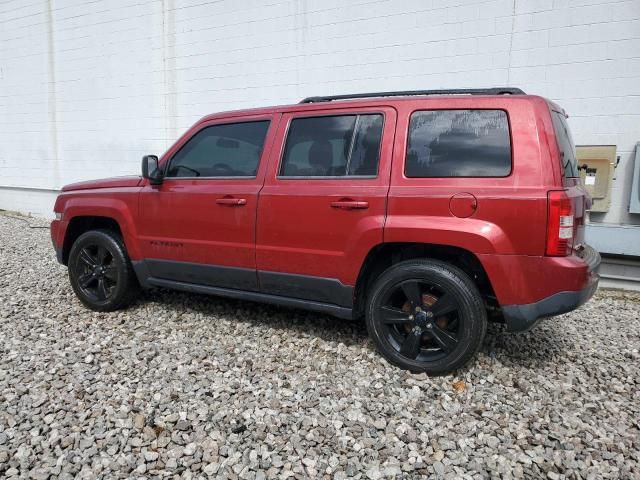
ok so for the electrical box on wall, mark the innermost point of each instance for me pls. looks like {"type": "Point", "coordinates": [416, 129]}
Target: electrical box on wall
{"type": "Point", "coordinates": [634, 204]}
{"type": "Point", "coordinates": [597, 177]}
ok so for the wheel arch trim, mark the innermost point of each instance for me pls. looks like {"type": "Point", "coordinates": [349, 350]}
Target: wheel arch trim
{"type": "Point", "coordinates": [375, 262]}
{"type": "Point", "coordinates": [115, 210]}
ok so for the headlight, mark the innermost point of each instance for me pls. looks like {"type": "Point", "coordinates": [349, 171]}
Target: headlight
{"type": "Point", "coordinates": [58, 216]}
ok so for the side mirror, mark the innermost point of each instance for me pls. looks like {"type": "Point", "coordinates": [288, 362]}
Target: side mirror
{"type": "Point", "coordinates": [150, 169]}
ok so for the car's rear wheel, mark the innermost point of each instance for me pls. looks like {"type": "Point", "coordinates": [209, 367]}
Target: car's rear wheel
{"type": "Point", "coordinates": [426, 316]}
{"type": "Point", "coordinates": [100, 272]}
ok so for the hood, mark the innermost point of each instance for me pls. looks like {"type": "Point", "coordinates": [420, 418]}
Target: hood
{"type": "Point", "coordinates": [130, 181]}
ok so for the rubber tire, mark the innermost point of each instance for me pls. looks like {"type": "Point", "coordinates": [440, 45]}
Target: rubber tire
{"type": "Point", "coordinates": [451, 279]}
{"type": "Point", "coordinates": [127, 288]}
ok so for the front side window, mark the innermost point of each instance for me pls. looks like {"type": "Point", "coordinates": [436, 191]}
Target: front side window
{"type": "Point", "coordinates": [458, 143]}
{"type": "Point", "coordinates": [230, 150]}
{"type": "Point", "coordinates": [333, 146]}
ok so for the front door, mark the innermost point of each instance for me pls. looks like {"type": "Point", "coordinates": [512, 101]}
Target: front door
{"type": "Point", "coordinates": [198, 226]}
{"type": "Point", "coordinates": [324, 201]}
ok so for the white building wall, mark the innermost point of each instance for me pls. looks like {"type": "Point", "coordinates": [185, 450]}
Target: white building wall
{"type": "Point", "coordinates": [87, 88]}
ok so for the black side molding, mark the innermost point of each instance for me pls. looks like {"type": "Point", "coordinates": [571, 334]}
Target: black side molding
{"type": "Point", "coordinates": [210, 275]}
{"type": "Point", "coordinates": [319, 289]}
{"type": "Point", "coordinates": [327, 295]}
{"type": "Point", "coordinates": [335, 310]}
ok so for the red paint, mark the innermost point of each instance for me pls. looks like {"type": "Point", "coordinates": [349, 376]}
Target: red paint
{"type": "Point", "coordinates": [327, 227]}
{"type": "Point", "coordinates": [463, 205]}
{"type": "Point", "coordinates": [212, 220]}
{"type": "Point", "coordinates": [126, 181]}
{"type": "Point", "coordinates": [300, 231]}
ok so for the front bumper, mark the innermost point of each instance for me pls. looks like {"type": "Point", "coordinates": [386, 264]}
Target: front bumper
{"type": "Point", "coordinates": [520, 318]}
{"type": "Point", "coordinates": [56, 229]}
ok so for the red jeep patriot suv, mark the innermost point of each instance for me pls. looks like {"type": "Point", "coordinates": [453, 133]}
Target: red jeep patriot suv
{"type": "Point", "coordinates": [422, 211]}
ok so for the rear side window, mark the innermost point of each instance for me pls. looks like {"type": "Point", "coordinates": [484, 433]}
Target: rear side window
{"type": "Point", "coordinates": [458, 143]}
{"type": "Point", "coordinates": [333, 146]}
{"type": "Point", "coordinates": [230, 150]}
{"type": "Point", "coordinates": [565, 145]}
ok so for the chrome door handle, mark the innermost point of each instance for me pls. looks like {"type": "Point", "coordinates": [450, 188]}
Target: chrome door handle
{"type": "Point", "coordinates": [231, 202]}
{"type": "Point", "coordinates": [350, 204]}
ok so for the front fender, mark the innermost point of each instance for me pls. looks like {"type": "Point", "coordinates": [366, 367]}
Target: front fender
{"type": "Point", "coordinates": [123, 208]}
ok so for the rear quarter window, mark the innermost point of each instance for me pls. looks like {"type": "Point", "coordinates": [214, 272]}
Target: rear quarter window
{"type": "Point", "coordinates": [458, 143]}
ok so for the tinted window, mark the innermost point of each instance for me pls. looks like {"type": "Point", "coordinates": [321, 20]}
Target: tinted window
{"type": "Point", "coordinates": [231, 150]}
{"type": "Point", "coordinates": [565, 145]}
{"type": "Point", "coordinates": [366, 146]}
{"type": "Point", "coordinates": [333, 146]}
{"type": "Point", "coordinates": [458, 143]}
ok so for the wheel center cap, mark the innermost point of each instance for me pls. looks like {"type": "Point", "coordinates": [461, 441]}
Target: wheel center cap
{"type": "Point", "coordinates": [421, 319]}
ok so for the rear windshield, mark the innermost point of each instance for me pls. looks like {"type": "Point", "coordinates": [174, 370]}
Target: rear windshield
{"type": "Point", "coordinates": [565, 145]}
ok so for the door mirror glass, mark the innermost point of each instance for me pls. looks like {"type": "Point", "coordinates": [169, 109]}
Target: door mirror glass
{"type": "Point", "coordinates": [150, 169]}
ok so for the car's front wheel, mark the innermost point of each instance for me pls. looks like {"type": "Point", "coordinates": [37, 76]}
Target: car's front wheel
{"type": "Point", "coordinates": [100, 272]}
{"type": "Point", "coordinates": [426, 316]}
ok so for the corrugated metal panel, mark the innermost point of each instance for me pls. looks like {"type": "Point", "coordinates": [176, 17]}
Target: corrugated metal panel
{"type": "Point", "coordinates": [634, 203]}
{"type": "Point", "coordinates": [621, 273]}
{"type": "Point", "coordinates": [614, 239]}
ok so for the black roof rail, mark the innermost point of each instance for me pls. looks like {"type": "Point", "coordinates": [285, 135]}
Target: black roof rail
{"type": "Point", "coordinates": [408, 93]}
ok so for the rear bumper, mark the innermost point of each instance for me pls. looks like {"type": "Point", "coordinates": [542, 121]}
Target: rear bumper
{"type": "Point", "coordinates": [520, 318]}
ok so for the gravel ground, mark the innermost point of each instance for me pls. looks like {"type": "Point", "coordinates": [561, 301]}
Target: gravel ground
{"type": "Point", "coordinates": [191, 386]}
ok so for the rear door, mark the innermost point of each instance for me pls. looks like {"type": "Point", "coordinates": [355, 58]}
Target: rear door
{"type": "Point", "coordinates": [323, 204]}
{"type": "Point", "coordinates": [456, 182]}
{"type": "Point", "coordinates": [198, 226]}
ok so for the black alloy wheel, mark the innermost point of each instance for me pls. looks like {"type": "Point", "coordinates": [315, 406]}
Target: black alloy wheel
{"type": "Point", "coordinates": [100, 271]}
{"type": "Point", "coordinates": [96, 272]}
{"type": "Point", "coordinates": [421, 321]}
{"type": "Point", "coordinates": [426, 316]}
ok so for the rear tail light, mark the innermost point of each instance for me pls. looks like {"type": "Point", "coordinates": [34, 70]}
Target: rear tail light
{"type": "Point", "coordinates": [559, 225]}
